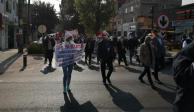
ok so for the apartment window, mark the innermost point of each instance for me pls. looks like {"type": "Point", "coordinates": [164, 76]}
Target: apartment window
{"type": "Point", "coordinates": [14, 5]}
{"type": "Point", "coordinates": [133, 19]}
{"type": "Point", "coordinates": [126, 10]}
{"type": "Point", "coordinates": [8, 6]}
{"type": "Point", "coordinates": [132, 8]}
{"type": "Point", "coordinates": [164, 6]}
{"type": "Point", "coordinates": [125, 33]}
{"type": "Point", "coordinates": [1, 1]}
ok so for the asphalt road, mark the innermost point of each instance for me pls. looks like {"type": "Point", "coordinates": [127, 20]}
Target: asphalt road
{"type": "Point", "coordinates": [32, 90]}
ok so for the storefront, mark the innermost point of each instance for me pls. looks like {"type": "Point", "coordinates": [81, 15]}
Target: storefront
{"type": "Point", "coordinates": [184, 21]}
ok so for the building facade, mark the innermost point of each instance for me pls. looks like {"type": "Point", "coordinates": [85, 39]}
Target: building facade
{"type": "Point", "coordinates": [9, 23]}
{"type": "Point", "coordinates": [141, 15]}
{"type": "Point", "coordinates": [184, 19]}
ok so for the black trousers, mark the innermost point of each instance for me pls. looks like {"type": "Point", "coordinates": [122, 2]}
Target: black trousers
{"type": "Point", "coordinates": [88, 55]}
{"type": "Point", "coordinates": [104, 64]}
{"type": "Point", "coordinates": [156, 69]}
{"type": "Point", "coordinates": [131, 54]}
{"type": "Point", "coordinates": [49, 56]}
{"type": "Point", "coordinates": [122, 57]}
{"type": "Point", "coordinates": [146, 71]}
{"type": "Point", "coordinates": [161, 63]}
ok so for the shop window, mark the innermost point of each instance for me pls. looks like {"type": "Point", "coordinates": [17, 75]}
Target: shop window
{"type": "Point", "coordinates": [8, 8]}
{"type": "Point", "coordinates": [119, 33]}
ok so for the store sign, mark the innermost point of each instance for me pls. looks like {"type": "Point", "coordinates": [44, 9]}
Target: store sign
{"type": "Point", "coordinates": [185, 14]}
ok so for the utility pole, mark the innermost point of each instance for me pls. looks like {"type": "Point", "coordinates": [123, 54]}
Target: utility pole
{"type": "Point", "coordinates": [152, 12]}
{"type": "Point", "coordinates": [28, 22]}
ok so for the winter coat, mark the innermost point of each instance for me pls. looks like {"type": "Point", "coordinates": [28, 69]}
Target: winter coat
{"type": "Point", "coordinates": [106, 50]}
{"type": "Point", "coordinates": [145, 54]}
{"type": "Point", "coordinates": [90, 44]}
{"type": "Point", "coordinates": [184, 78]}
{"type": "Point", "coordinates": [48, 43]}
{"type": "Point", "coordinates": [158, 48]}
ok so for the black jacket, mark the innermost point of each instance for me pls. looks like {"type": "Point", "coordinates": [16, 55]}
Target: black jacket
{"type": "Point", "coordinates": [90, 44]}
{"type": "Point", "coordinates": [184, 78]}
{"type": "Point", "coordinates": [46, 42]}
{"type": "Point", "coordinates": [106, 50]}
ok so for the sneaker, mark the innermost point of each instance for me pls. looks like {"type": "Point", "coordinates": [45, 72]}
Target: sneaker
{"type": "Point", "coordinates": [108, 79]}
{"type": "Point", "coordinates": [65, 92]}
{"type": "Point", "coordinates": [141, 80]}
{"type": "Point", "coordinates": [104, 82]}
{"type": "Point", "coordinates": [68, 89]}
{"type": "Point", "coordinates": [153, 87]}
{"type": "Point", "coordinates": [159, 82]}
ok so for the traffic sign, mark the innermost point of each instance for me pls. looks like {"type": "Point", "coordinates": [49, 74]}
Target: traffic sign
{"type": "Point", "coordinates": [42, 28]}
{"type": "Point", "coordinates": [163, 21]}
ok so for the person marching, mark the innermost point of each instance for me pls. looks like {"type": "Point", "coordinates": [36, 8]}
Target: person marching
{"type": "Point", "coordinates": [146, 59]}
{"type": "Point", "coordinates": [49, 44]}
{"type": "Point", "coordinates": [67, 69]}
{"type": "Point", "coordinates": [159, 52]}
{"type": "Point", "coordinates": [121, 51]}
{"type": "Point", "coordinates": [106, 55]}
{"type": "Point", "coordinates": [89, 49]}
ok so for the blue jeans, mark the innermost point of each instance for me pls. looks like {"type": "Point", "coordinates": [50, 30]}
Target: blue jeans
{"type": "Point", "coordinates": [67, 71]}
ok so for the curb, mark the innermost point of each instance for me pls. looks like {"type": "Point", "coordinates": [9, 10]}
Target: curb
{"type": "Point", "coordinates": [6, 63]}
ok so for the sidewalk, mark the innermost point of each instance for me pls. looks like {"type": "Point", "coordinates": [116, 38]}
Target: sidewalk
{"type": "Point", "coordinates": [7, 58]}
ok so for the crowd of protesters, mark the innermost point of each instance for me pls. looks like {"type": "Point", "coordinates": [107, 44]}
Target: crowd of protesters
{"type": "Point", "coordinates": [151, 56]}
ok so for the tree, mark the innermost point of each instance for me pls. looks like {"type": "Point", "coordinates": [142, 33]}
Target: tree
{"type": "Point", "coordinates": [95, 14]}
{"type": "Point", "coordinates": [69, 18]}
{"type": "Point", "coordinates": [44, 13]}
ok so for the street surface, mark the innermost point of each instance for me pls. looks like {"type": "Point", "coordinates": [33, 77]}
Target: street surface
{"type": "Point", "coordinates": [31, 89]}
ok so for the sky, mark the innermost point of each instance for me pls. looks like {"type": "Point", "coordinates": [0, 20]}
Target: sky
{"type": "Point", "coordinates": [54, 2]}
{"type": "Point", "coordinates": [187, 2]}
{"type": "Point", "coordinates": [57, 2]}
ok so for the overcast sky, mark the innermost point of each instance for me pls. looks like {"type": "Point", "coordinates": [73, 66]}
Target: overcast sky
{"type": "Point", "coordinates": [57, 2]}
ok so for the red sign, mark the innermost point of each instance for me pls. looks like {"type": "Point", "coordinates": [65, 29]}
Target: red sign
{"type": "Point", "coordinates": [185, 14]}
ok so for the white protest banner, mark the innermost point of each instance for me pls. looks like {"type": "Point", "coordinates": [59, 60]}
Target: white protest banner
{"type": "Point", "coordinates": [68, 54]}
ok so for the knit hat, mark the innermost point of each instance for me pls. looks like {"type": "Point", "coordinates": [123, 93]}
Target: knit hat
{"type": "Point", "coordinates": [105, 34]}
{"type": "Point", "coordinates": [68, 35]}
{"type": "Point", "coordinates": [147, 39]}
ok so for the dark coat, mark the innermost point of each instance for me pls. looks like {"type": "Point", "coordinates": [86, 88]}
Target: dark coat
{"type": "Point", "coordinates": [90, 44]}
{"type": "Point", "coordinates": [132, 43]}
{"type": "Point", "coordinates": [146, 54]}
{"type": "Point", "coordinates": [159, 48]}
{"type": "Point", "coordinates": [184, 78]}
{"type": "Point", "coordinates": [106, 50]}
{"type": "Point", "coordinates": [121, 47]}
{"type": "Point", "coordinates": [46, 42]}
